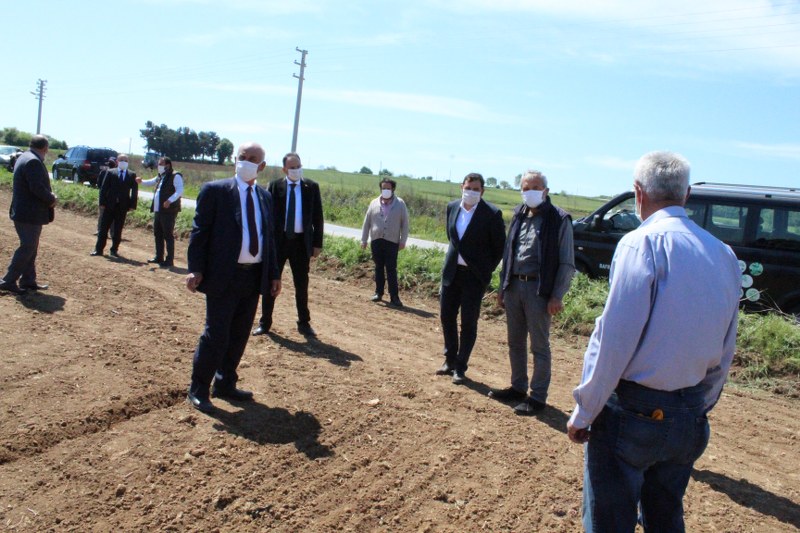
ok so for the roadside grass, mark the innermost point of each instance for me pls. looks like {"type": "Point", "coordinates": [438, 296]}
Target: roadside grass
{"type": "Point", "coordinates": [768, 345]}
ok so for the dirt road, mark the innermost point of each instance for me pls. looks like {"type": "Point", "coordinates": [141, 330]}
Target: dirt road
{"type": "Point", "coordinates": [351, 432]}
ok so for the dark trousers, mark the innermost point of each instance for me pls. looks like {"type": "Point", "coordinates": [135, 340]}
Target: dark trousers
{"type": "Point", "coordinates": [635, 462]}
{"type": "Point", "coordinates": [229, 317]}
{"type": "Point", "coordinates": [164, 232]}
{"type": "Point", "coordinates": [465, 292]}
{"type": "Point", "coordinates": [294, 251]}
{"type": "Point", "coordinates": [113, 218]}
{"type": "Point", "coordinates": [23, 263]}
{"type": "Point", "coordinates": [384, 254]}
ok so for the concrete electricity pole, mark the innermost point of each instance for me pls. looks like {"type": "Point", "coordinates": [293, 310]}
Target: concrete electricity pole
{"type": "Point", "coordinates": [300, 79]}
{"type": "Point", "coordinates": [39, 93]}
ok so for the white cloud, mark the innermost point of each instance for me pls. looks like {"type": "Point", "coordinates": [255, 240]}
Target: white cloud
{"type": "Point", "coordinates": [783, 150]}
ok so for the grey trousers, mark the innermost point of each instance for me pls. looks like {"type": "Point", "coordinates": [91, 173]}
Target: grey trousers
{"type": "Point", "coordinates": [23, 264]}
{"type": "Point", "coordinates": [527, 316]}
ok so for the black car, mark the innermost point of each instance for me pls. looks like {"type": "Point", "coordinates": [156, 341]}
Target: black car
{"type": "Point", "coordinates": [150, 160]}
{"type": "Point", "coordinates": [82, 164]}
{"type": "Point", "coordinates": [761, 224]}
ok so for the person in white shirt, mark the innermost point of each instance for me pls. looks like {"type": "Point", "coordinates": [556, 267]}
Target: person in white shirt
{"type": "Point", "coordinates": [165, 207]}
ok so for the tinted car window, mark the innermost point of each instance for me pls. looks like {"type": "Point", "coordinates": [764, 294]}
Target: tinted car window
{"type": "Point", "coordinates": [779, 228]}
{"type": "Point", "coordinates": [727, 222]}
{"type": "Point", "coordinates": [622, 217]}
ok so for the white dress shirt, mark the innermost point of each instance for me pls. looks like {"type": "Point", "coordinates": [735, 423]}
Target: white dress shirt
{"type": "Point", "coordinates": [463, 220]}
{"type": "Point", "coordinates": [177, 181]}
{"type": "Point", "coordinates": [244, 252]}
{"type": "Point", "coordinates": [298, 204]}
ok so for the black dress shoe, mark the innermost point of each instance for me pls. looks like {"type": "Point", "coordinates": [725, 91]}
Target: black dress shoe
{"type": "Point", "coordinates": [376, 297]}
{"type": "Point", "coordinates": [166, 264]}
{"type": "Point", "coordinates": [444, 370]}
{"type": "Point", "coordinates": [305, 329]}
{"type": "Point", "coordinates": [395, 302]}
{"type": "Point", "coordinates": [12, 288]}
{"type": "Point", "coordinates": [458, 378]}
{"type": "Point", "coordinates": [95, 253]}
{"type": "Point", "coordinates": [155, 260]}
{"type": "Point", "coordinates": [35, 287]}
{"type": "Point", "coordinates": [203, 405]}
{"type": "Point", "coordinates": [232, 394]}
{"type": "Point", "coordinates": [509, 393]}
{"type": "Point", "coordinates": [529, 407]}
{"type": "Point", "coordinates": [113, 253]}
{"type": "Point", "coordinates": [261, 330]}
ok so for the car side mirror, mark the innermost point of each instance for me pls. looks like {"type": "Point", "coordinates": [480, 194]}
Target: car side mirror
{"type": "Point", "coordinates": [61, 156]}
{"type": "Point", "coordinates": [597, 222]}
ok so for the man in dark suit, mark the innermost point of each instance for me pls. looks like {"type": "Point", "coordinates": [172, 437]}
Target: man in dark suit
{"type": "Point", "coordinates": [476, 232]}
{"type": "Point", "coordinates": [118, 195]}
{"type": "Point", "coordinates": [32, 206]}
{"type": "Point", "coordinates": [232, 259]}
{"type": "Point", "coordinates": [298, 235]}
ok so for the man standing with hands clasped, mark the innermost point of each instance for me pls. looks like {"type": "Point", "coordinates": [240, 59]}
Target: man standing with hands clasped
{"type": "Point", "coordinates": [298, 236]}
{"type": "Point", "coordinates": [538, 265]}
{"type": "Point", "coordinates": [32, 206]}
{"type": "Point", "coordinates": [232, 260]}
{"type": "Point", "coordinates": [476, 232]}
{"type": "Point", "coordinates": [657, 359]}
{"type": "Point", "coordinates": [118, 195]}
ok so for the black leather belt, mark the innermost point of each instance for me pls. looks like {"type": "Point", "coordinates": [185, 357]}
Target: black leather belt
{"type": "Point", "coordinates": [523, 277]}
{"type": "Point", "coordinates": [248, 266]}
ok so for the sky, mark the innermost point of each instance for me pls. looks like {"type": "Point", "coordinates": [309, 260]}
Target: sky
{"type": "Point", "coordinates": [576, 89]}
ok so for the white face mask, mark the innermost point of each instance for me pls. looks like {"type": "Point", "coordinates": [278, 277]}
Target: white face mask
{"type": "Point", "coordinates": [470, 197]}
{"type": "Point", "coordinates": [161, 169]}
{"type": "Point", "coordinates": [533, 198]}
{"type": "Point", "coordinates": [386, 193]}
{"type": "Point", "coordinates": [294, 174]}
{"type": "Point", "coordinates": [246, 170]}
{"type": "Point", "coordinates": [123, 165]}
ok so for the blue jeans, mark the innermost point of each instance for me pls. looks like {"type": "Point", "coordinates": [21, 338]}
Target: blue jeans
{"type": "Point", "coordinates": [634, 461]}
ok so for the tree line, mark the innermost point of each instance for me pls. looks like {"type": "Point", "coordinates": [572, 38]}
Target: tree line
{"type": "Point", "coordinates": [14, 137]}
{"type": "Point", "coordinates": [185, 144]}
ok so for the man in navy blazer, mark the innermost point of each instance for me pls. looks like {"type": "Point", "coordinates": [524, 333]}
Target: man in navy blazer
{"type": "Point", "coordinates": [32, 206]}
{"type": "Point", "coordinates": [476, 232]}
{"type": "Point", "coordinates": [232, 259]}
{"type": "Point", "coordinates": [119, 194]}
{"type": "Point", "coordinates": [298, 235]}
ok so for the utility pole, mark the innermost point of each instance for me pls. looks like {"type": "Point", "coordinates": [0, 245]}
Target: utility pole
{"type": "Point", "coordinates": [39, 93]}
{"type": "Point", "coordinates": [300, 79]}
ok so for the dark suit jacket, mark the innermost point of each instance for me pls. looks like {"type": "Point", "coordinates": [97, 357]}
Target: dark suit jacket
{"type": "Point", "coordinates": [216, 238]}
{"type": "Point", "coordinates": [313, 223]}
{"type": "Point", "coordinates": [482, 245]}
{"type": "Point", "coordinates": [32, 197]}
{"type": "Point", "coordinates": [113, 190]}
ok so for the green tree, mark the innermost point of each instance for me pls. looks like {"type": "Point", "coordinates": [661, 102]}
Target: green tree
{"type": "Point", "coordinates": [365, 170]}
{"type": "Point", "coordinates": [385, 172]}
{"type": "Point", "coordinates": [491, 182]}
{"type": "Point", "coordinates": [224, 151]}
{"type": "Point", "coordinates": [505, 185]}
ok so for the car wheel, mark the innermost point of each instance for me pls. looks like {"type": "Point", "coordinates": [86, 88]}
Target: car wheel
{"type": "Point", "coordinates": [75, 178]}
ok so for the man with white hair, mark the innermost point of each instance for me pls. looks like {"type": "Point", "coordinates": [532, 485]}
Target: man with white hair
{"type": "Point", "coordinates": [538, 265]}
{"type": "Point", "coordinates": [657, 359]}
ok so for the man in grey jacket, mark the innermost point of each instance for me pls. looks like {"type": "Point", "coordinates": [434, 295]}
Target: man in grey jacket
{"type": "Point", "coordinates": [386, 226]}
{"type": "Point", "coordinates": [32, 206]}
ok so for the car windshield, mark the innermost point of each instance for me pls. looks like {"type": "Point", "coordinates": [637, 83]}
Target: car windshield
{"type": "Point", "coordinates": [6, 150]}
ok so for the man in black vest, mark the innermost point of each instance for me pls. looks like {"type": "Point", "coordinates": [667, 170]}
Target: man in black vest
{"type": "Point", "coordinates": [119, 194]}
{"type": "Point", "coordinates": [165, 206]}
{"type": "Point", "coordinates": [538, 265]}
{"type": "Point", "coordinates": [32, 206]}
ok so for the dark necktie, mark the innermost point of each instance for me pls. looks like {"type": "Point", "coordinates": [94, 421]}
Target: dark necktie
{"type": "Point", "coordinates": [122, 176]}
{"type": "Point", "coordinates": [290, 213]}
{"type": "Point", "coordinates": [251, 223]}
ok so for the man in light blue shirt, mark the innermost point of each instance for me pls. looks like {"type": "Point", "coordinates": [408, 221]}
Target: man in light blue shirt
{"type": "Point", "coordinates": [657, 359]}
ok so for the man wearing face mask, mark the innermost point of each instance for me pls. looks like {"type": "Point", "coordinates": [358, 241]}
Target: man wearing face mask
{"type": "Point", "coordinates": [298, 237]}
{"type": "Point", "coordinates": [232, 259]}
{"type": "Point", "coordinates": [118, 195]}
{"type": "Point", "coordinates": [165, 206]}
{"type": "Point", "coordinates": [476, 232]}
{"type": "Point", "coordinates": [538, 265]}
{"type": "Point", "coordinates": [386, 226]}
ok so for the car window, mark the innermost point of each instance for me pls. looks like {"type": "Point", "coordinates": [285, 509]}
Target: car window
{"type": "Point", "coordinates": [726, 222]}
{"type": "Point", "coordinates": [5, 150]}
{"type": "Point", "coordinates": [696, 212]}
{"type": "Point", "coordinates": [779, 228]}
{"type": "Point", "coordinates": [622, 217]}
{"type": "Point", "coordinates": [69, 153]}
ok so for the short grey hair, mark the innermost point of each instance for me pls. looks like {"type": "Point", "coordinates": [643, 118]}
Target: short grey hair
{"type": "Point", "coordinates": [664, 176]}
{"type": "Point", "coordinates": [533, 174]}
